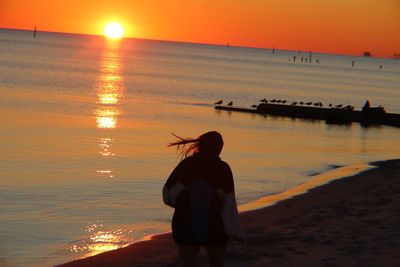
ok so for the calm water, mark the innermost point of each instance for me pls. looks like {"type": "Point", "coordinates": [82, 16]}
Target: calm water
{"type": "Point", "coordinates": [85, 123]}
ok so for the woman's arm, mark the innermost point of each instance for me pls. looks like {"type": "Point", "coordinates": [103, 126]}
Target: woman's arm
{"type": "Point", "coordinates": [230, 214]}
{"type": "Point", "coordinates": [173, 187]}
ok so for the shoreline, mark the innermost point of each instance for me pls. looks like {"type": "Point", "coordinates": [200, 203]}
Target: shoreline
{"type": "Point", "coordinates": [316, 180]}
{"type": "Point", "coordinates": [282, 230]}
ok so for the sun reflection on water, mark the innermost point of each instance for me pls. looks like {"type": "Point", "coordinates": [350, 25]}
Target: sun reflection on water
{"type": "Point", "coordinates": [108, 98]}
{"type": "Point", "coordinates": [105, 241]}
{"type": "Point", "coordinates": [106, 119]}
{"type": "Point", "coordinates": [109, 89]}
{"type": "Point", "coordinates": [105, 146]}
{"type": "Point", "coordinates": [100, 240]}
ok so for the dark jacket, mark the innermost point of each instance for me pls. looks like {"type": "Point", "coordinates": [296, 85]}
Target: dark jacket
{"type": "Point", "coordinates": [203, 180]}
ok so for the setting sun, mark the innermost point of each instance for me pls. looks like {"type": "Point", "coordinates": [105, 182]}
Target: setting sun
{"type": "Point", "coordinates": [113, 30]}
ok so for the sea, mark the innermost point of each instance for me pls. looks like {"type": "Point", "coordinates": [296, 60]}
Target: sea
{"type": "Point", "coordinates": [86, 122]}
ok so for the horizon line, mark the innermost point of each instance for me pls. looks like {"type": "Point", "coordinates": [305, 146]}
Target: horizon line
{"type": "Point", "coordinates": [209, 44]}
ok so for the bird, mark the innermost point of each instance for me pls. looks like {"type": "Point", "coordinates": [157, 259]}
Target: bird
{"type": "Point", "coordinates": [316, 104]}
{"type": "Point", "coordinates": [263, 100]}
{"type": "Point", "coordinates": [283, 101]}
{"type": "Point", "coordinates": [294, 104]}
{"type": "Point", "coordinates": [308, 103]}
{"type": "Point", "coordinates": [320, 104]}
{"type": "Point", "coordinates": [230, 103]}
{"type": "Point", "coordinates": [254, 106]}
{"type": "Point", "coordinates": [338, 106]}
{"type": "Point", "coordinates": [273, 100]}
{"type": "Point", "coordinates": [301, 102]}
{"type": "Point", "coordinates": [278, 101]}
{"type": "Point", "coordinates": [218, 102]}
{"type": "Point", "coordinates": [330, 105]}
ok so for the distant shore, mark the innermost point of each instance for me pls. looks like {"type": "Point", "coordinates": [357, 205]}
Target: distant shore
{"type": "Point", "coordinates": [354, 221]}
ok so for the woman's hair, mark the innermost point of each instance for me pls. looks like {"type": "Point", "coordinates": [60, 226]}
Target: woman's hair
{"type": "Point", "coordinates": [210, 142]}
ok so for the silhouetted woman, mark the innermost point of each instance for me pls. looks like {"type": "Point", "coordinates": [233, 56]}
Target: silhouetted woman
{"type": "Point", "coordinates": [201, 190]}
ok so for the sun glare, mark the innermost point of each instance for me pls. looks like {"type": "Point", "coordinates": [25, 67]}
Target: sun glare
{"type": "Point", "coordinates": [113, 30]}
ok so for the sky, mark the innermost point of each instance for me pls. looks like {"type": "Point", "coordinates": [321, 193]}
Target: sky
{"type": "Point", "coordinates": [331, 26]}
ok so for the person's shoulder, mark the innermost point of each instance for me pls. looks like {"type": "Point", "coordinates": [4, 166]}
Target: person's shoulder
{"type": "Point", "coordinates": [225, 165]}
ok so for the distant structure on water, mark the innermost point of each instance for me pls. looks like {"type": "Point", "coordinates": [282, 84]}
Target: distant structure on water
{"type": "Point", "coordinates": [34, 33]}
{"type": "Point", "coordinates": [333, 114]}
{"type": "Point", "coordinates": [367, 54]}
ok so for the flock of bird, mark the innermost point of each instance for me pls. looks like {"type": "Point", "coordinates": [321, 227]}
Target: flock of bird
{"type": "Point", "coordinates": [300, 103]}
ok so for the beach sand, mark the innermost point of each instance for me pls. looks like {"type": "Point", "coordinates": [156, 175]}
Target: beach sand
{"type": "Point", "coordinates": [354, 221]}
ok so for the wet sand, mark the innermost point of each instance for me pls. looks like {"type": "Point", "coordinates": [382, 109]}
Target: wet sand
{"type": "Point", "coordinates": [354, 221]}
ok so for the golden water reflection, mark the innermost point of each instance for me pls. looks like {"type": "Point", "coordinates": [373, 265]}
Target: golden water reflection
{"type": "Point", "coordinates": [109, 88]}
{"type": "Point", "coordinates": [105, 146]}
{"type": "Point", "coordinates": [101, 240]}
{"type": "Point", "coordinates": [106, 118]}
{"type": "Point", "coordinates": [105, 241]}
{"type": "Point", "coordinates": [108, 98]}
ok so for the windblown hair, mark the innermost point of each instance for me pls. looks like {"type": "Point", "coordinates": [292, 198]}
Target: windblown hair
{"type": "Point", "coordinates": [210, 142]}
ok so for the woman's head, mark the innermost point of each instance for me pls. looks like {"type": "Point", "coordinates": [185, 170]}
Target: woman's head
{"type": "Point", "coordinates": [209, 143]}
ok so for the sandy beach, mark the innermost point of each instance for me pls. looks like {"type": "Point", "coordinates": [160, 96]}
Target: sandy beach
{"type": "Point", "coordinates": [353, 221]}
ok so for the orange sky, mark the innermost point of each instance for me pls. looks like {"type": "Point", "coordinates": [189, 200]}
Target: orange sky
{"type": "Point", "coordinates": [337, 26]}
